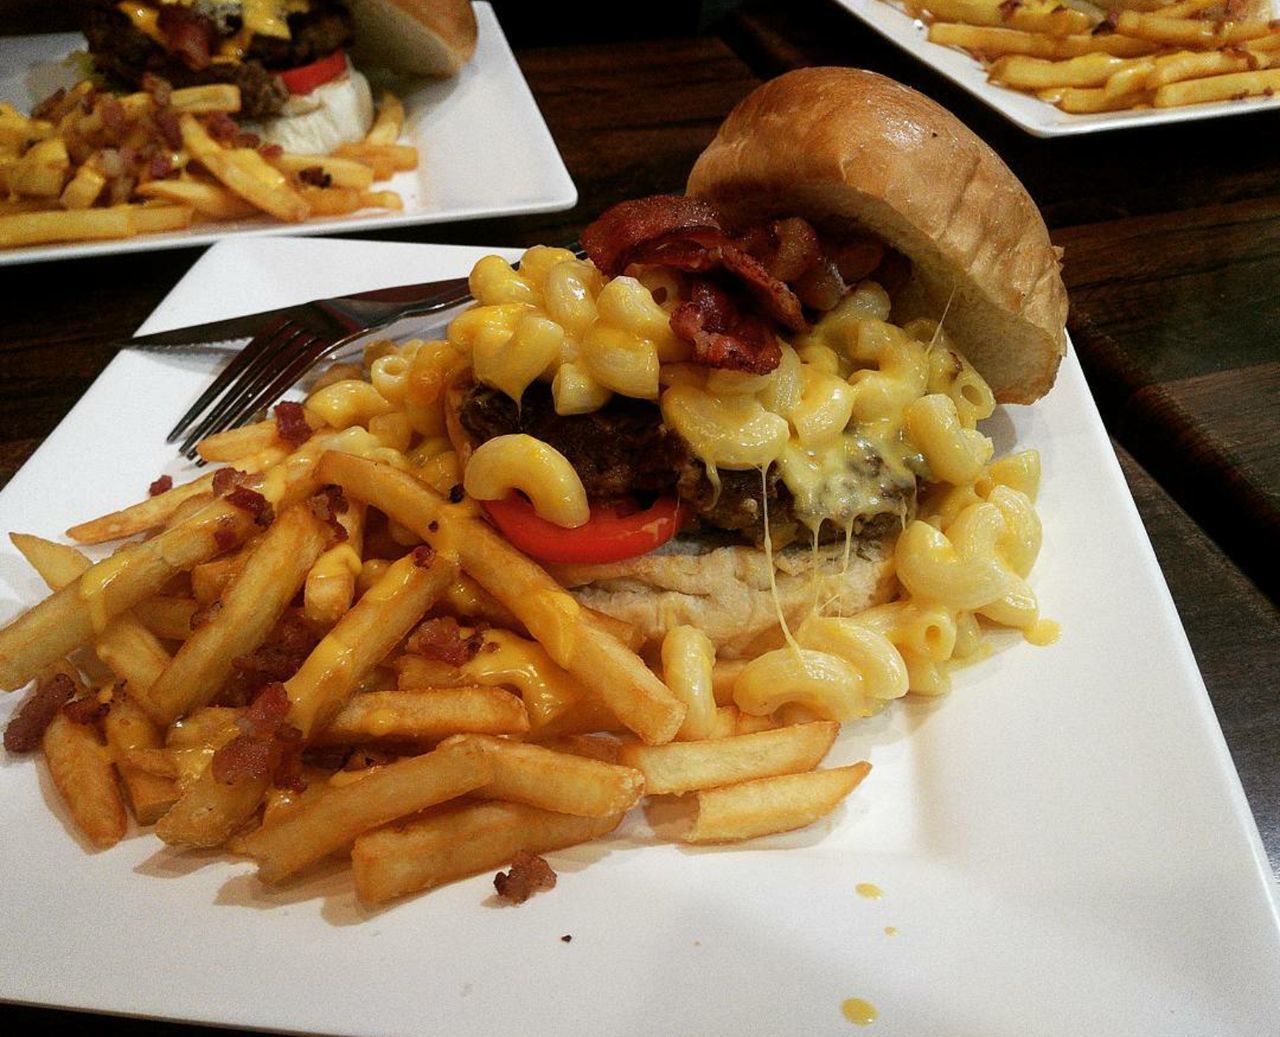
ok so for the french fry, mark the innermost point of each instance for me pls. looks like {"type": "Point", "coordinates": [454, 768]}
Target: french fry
{"type": "Point", "coordinates": [209, 812]}
{"type": "Point", "coordinates": [384, 159]}
{"type": "Point", "coordinates": [342, 172]}
{"type": "Point", "coordinates": [606, 666]}
{"type": "Point", "coordinates": [42, 171]}
{"type": "Point", "coordinates": [504, 660]}
{"type": "Point", "coordinates": [213, 97]}
{"type": "Point", "coordinates": [331, 821]}
{"type": "Point", "coordinates": [167, 616]}
{"type": "Point", "coordinates": [1088, 70]}
{"type": "Point", "coordinates": [1083, 101]}
{"type": "Point", "coordinates": [1197, 64]}
{"type": "Point", "coordinates": [331, 584]}
{"type": "Point", "coordinates": [81, 769]}
{"type": "Point", "coordinates": [1234, 86]}
{"type": "Point", "coordinates": [127, 728]}
{"type": "Point", "coordinates": [125, 644]}
{"type": "Point", "coordinates": [154, 217]}
{"type": "Point", "coordinates": [210, 579]}
{"type": "Point", "coordinates": [83, 189]}
{"type": "Point", "coordinates": [420, 716]}
{"type": "Point", "coordinates": [593, 747]}
{"type": "Point", "coordinates": [244, 172]}
{"type": "Point", "coordinates": [208, 199]}
{"type": "Point", "coordinates": [467, 599]}
{"type": "Point", "coordinates": [142, 517]}
{"type": "Point", "coordinates": [769, 805]}
{"type": "Point", "coordinates": [249, 609]}
{"type": "Point", "coordinates": [363, 637]}
{"type": "Point", "coordinates": [539, 777]}
{"type": "Point", "coordinates": [994, 42]}
{"type": "Point", "coordinates": [1127, 82]}
{"type": "Point", "coordinates": [234, 443]}
{"type": "Point", "coordinates": [686, 766]}
{"type": "Point", "coordinates": [456, 842]}
{"type": "Point", "coordinates": [1046, 18]}
{"type": "Point", "coordinates": [1188, 32]}
{"type": "Point", "coordinates": [389, 122]}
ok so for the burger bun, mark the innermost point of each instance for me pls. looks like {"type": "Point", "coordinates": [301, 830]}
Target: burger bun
{"type": "Point", "coordinates": [414, 37]}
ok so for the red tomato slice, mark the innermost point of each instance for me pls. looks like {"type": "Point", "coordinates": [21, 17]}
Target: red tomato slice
{"type": "Point", "coordinates": [306, 78]}
{"type": "Point", "coordinates": [611, 534]}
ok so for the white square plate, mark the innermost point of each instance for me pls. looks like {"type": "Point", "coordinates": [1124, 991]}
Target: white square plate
{"type": "Point", "coordinates": [1062, 842]}
{"type": "Point", "coordinates": [1037, 117]}
{"type": "Point", "coordinates": [484, 149]}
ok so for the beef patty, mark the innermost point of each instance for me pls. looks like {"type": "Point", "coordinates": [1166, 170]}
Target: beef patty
{"type": "Point", "coordinates": [124, 54]}
{"type": "Point", "coordinates": [624, 450]}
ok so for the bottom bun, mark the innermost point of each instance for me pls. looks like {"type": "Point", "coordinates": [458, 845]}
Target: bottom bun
{"type": "Point", "coordinates": [337, 112]}
{"type": "Point", "coordinates": [725, 592]}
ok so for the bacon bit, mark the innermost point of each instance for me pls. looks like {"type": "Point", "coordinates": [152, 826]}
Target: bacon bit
{"type": "Point", "coordinates": [205, 615]}
{"type": "Point", "coordinates": [161, 485]}
{"type": "Point", "coordinates": [327, 505]}
{"type": "Point", "coordinates": [266, 746]}
{"type": "Point", "coordinates": [226, 479]}
{"type": "Point", "coordinates": [721, 335]}
{"type": "Point", "coordinates": [112, 112]}
{"type": "Point", "coordinates": [787, 248]}
{"type": "Point", "coordinates": [166, 120]}
{"type": "Point", "coordinates": [291, 423]}
{"type": "Point", "coordinates": [160, 165]}
{"type": "Point", "coordinates": [567, 938]}
{"type": "Point", "coordinates": [620, 230]}
{"type": "Point", "coordinates": [221, 127]}
{"type": "Point", "coordinates": [224, 534]}
{"type": "Point", "coordinates": [270, 150]}
{"type": "Point", "coordinates": [315, 176]}
{"type": "Point", "coordinates": [86, 710]}
{"type": "Point", "coordinates": [26, 729]}
{"type": "Point", "coordinates": [423, 556]}
{"type": "Point", "coordinates": [456, 493]}
{"type": "Point", "coordinates": [160, 89]}
{"type": "Point", "coordinates": [441, 639]}
{"type": "Point", "coordinates": [529, 874]}
{"type": "Point", "coordinates": [1269, 91]}
{"type": "Point", "coordinates": [276, 659]}
{"type": "Point", "coordinates": [245, 139]}
{"type": "Point", "coordinates": [1008, 7]}
{"type": "Point", "coordinates": [1107, 26]}
{"type": "Point", "coordinates": [821, 287]}
{"type": "Point", "coordinates": [253, 502]}
{"type": "Point", "coordinates": [190, 35]}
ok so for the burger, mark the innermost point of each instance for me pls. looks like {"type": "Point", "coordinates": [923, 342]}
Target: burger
{"type": "Point", "coordinates": [827, 193]}
{"type": "Point", "coordinates": [298, 88]}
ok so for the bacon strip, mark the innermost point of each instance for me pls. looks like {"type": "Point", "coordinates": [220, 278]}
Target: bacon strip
{"type": "Point", "coordinates": [721, 335]}
{"type": "Point", "coordinates": [26, 729]}
{"type": "Point", "coordinates": [622, 229]}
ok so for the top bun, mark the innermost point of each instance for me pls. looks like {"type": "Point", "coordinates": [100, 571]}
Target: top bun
{"type": "Point", "coordinates": [414, 37]}
{"type": "Point", "coordinates": [841, 142]}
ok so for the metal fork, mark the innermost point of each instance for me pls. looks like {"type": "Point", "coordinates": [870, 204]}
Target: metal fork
{"type": "Point", "coordinates": [283, 351]}
{"type": "Point", "coordinates": [289, 346]}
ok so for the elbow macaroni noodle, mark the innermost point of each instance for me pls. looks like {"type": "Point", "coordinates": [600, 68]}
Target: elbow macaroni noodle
{"type": "Point", "coordinates": [854, 386]}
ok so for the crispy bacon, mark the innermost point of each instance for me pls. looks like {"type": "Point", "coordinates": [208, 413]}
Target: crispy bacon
{"type": "Point", "coordinates": [619, 231]}
{"type": "Point", "coordinates": [424, 554]}
{"type": "Point", "coordinates": [291, 422]}
{"type": "Point", "coordinates": [529, 874]}
{"type": "Point", "coordinates": [224, 533]}
{"type": "Point", "coordinates": [160, 89]}
{"type": "Point", "coordinates": [441, 639]}
{"type": "Point", "coordinates": [87, 710]}
{"type": "Point", "coordinates": [161, 485]}
{"type": "Point", "coordinates": [327, 505]}
{"type": "Point", "coordinates": [722, 335]}
{"type": "Point", "coordinates": [222, 127]}
{"type": "Point", "coordinates": [276, 659]}
{"type": "Point", "coordinates": [190, 35]}
{"type": "Point", "coordinates": [787, 248]}
{"type": "Point", "coordinates": [315, 176]}
{"type": "Point", "coordinates": [166, 120]}
{"type": "Point", "coordinates": [227, 479]}
{"type": "Point", "coordinates": [266, 747]}
{"type": "Point", "coordinates": [26, 729]}
{"type": "Point", "coordinates": [821, 286]}
{"type": "Point", "coordinates": [253, 502]}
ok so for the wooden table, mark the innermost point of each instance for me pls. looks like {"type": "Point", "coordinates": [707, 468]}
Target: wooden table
{"type": "Point", "coordinates": [1172, 241]}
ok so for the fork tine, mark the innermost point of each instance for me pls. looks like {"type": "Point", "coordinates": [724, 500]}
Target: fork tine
{"type": "Point", "coordinates": [239, 362]}
{"type": "Point", "coordinates": [303, 355]}
{"type": "Point", "coordinates": [274, 352]}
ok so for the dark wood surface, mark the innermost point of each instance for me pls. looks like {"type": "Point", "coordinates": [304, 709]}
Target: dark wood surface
{"type": "Point", "coordinates": [1173, 255]}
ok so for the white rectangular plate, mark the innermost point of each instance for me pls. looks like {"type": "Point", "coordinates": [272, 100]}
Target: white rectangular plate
{"type": "Point", "coordinates": [484, 149]}
{"type": "Point", "coordinates": [1062, 842]}
{"type": "Point", "coordinates": [1037, 117]}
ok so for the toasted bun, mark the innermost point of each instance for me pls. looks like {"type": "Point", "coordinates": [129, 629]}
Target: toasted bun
{"type": "Point", "coordinates": [725, 592]}
{"type": "Point", "coordinates": [824, 142]}
{"type": "Point", "coordinates": [415, 37]}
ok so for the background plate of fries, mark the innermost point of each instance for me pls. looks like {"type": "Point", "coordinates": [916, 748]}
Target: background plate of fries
{"type": "Point", "coordinates": [1058, 70]}
{"type": "Point", "coordinates": [1061, 845]}
{"type": "Point", "coordinates": [483, 149]}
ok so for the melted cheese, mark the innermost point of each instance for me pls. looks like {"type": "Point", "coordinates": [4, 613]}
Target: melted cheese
{"type": "Point", "coordinates": [258, 17]}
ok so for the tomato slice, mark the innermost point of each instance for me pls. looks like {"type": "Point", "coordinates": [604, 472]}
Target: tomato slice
{"type": "Point", "coordinates": [304, 79]}
{"type": "Point", "coordinates": [612, 533]}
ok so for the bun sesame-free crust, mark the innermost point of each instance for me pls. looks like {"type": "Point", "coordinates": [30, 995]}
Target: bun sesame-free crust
{"type": "Point", "coordinates": [827, 143]}
{"type": "Point", "coordinates": [415, 37]}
